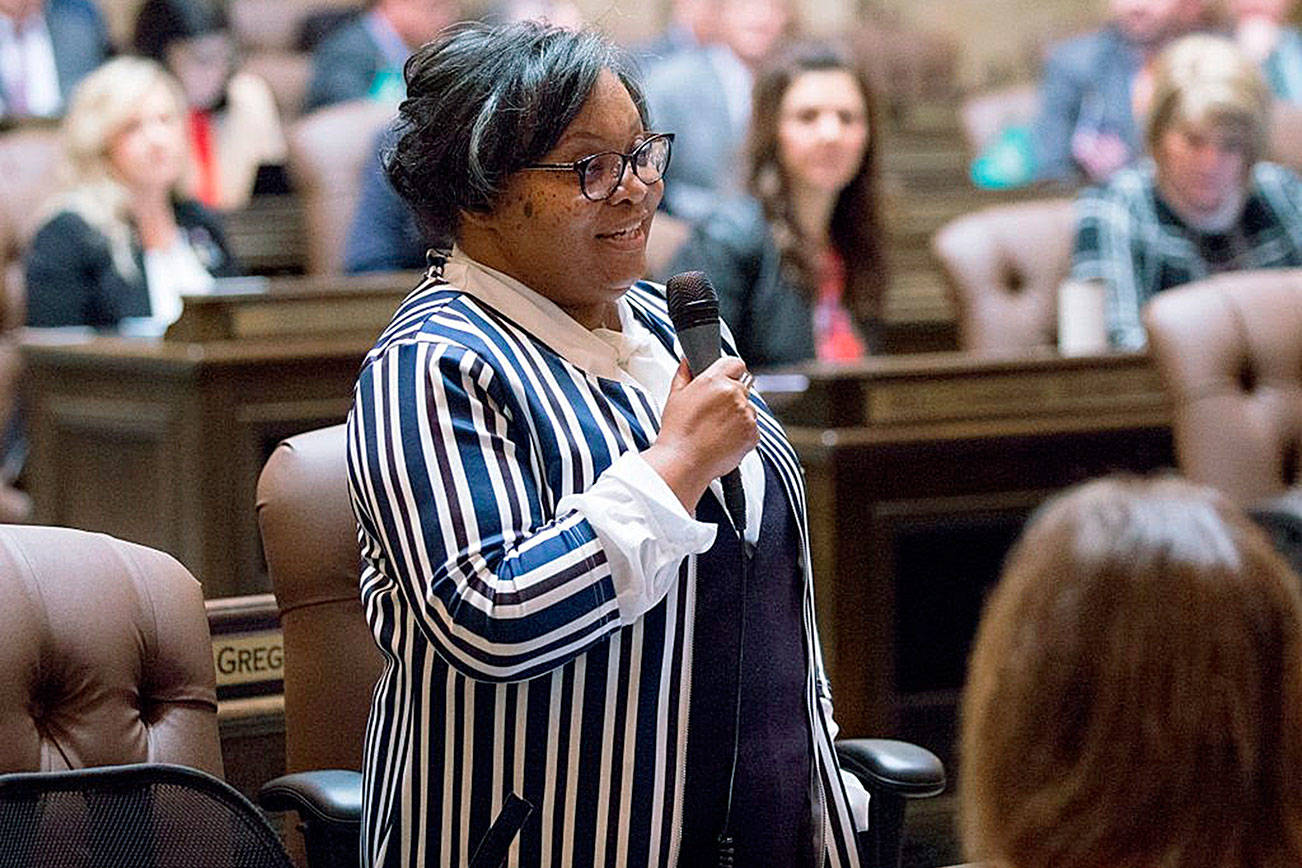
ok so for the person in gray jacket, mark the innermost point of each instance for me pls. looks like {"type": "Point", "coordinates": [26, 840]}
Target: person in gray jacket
{"type": "Point", "coordinates": [1085, 129]}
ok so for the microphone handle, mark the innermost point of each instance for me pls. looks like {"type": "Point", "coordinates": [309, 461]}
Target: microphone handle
{"type": "Point", "coordinates": [734, 500]}
{"type": "Point", "coordinates": [701, 347]}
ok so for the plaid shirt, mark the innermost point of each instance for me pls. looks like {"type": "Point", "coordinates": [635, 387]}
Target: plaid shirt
{"type": "Point", "coordinates": [1132, 241]}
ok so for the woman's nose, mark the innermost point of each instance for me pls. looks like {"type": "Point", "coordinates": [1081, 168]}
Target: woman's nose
{"type": "Point", "coordinates": [828, 128]}
{"type": "Point", "coordinates": [631, 188]}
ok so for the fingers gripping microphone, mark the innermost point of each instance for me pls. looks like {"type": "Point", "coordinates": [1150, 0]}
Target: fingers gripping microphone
{"type": "Point", "coordinates": [694, 309]}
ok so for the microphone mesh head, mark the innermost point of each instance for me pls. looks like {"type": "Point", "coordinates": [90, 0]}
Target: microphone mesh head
{"type": "Point", "coordinates": [691, 295]}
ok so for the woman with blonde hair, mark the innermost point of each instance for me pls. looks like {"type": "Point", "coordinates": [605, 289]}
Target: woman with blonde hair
{"type": "Point", "coordinates": [1135, 693]}
{"type": "Point", "coordinates": [120, 242]}
{"type": "Point", "coordinates": [1204, 203]}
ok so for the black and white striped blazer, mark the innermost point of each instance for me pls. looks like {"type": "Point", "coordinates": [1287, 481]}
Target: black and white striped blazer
{"type": "Point", "coordinates": [507, 668]}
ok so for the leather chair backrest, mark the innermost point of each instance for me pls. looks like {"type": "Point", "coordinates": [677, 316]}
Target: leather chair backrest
{"type": "Point", "coordinates": [327, 150]}
{"type": "Point", "coordinates": [105, 656]}
{"type": "Point", "coordinates": [28, 161]}
{"type": "Point", "coordinates": [331, 661]}
{"type": "Point", "coordinates": [287, 73]}
{"type": "Point", "coordinates": [1003, 266]}
{"type": "Point", "coordinates": [1229, 351]}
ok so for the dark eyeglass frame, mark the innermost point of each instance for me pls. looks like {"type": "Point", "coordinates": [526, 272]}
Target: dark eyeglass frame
{"type": "Point", "coordinates": [580, 166]}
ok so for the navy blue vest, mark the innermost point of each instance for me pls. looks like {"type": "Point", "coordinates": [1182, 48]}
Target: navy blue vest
{"type": "Point", "coordinates": [771, 817]}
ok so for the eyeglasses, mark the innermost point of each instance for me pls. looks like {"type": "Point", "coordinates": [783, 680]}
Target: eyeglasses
{"type": "Point", "coordinates": [601, 174]}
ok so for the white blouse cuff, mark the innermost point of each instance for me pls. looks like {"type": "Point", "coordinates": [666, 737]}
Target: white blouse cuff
{"type": "Point", "coordinates": [644, 530]}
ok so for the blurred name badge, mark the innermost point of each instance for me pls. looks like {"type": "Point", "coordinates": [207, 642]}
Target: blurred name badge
{"type": "Point", "coordinates": [1081, 327]}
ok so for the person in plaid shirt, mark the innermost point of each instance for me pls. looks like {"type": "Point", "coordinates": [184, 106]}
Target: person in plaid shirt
{"type": "Point", "coordinates": [1202, 203]}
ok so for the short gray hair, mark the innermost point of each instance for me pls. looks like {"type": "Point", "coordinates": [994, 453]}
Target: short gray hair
{"type": "Point", "coordinates": [483, 101]}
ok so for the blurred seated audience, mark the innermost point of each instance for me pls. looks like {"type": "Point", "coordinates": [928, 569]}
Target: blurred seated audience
{"type": "Point", "coordinates": [121, 243]}
{"type": "Point", "coordinates": [704, 97]}
{"type": "Point", "coordinates": [46, 48]}
{"type": "Point", "coordinates": [233, 125]}
{"type": "Point", "coordinates": [1263, 31]}
{"type": "Point", "coordinates": [1085, 128]}
{"type": "Point", "coordinates": [1134, 695]}
{"type": "Point", "coordinates": [692, 24]}
{"type": "Point", "coordinates": [799, 267]}
{"type": "Point", "coordinates": [1203, 204]}
{"type": "Point", "coordinates": [363, 57]}
{"type": "Point", "coordinates": [384, 234]}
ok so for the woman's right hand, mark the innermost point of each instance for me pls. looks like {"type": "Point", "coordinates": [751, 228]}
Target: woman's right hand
{"type": "Point", "coordinates": [707, 427]}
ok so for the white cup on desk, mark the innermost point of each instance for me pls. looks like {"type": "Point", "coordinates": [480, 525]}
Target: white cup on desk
{"type": "Point", "coordinates": [1082, 329]}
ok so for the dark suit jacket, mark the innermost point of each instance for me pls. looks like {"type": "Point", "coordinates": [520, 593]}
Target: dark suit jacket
{"type": "Point", "coordinates": [770, 317]}
{"type": "Point", "coordinates": [344, 66]}
{"type": "Point", "coordinates": [72, 279]}
{"type": "Point", "coordinates": [685, 97]}
{"type": "Point", "coordinates": [1086, 82]}
{"type": "Point", "coordinates": [384, 234]}
{"type": "Point", "coordinates": [80, 40]}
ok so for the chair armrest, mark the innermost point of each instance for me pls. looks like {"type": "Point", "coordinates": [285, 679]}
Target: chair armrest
{"type": "Point", "coordinates": [889, 766]}
{"type": "Point", "coordinates": [1281, 518]}
{"type": "Point", "coordinates": [330, 796]}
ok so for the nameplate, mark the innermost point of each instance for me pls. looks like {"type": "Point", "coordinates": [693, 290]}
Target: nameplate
{"type": "Point", "coordinates": [248, 649]}
{"type": "Point", "coordinates": [248, 658]}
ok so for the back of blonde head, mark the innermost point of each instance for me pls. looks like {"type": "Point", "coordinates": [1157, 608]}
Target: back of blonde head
{"type": "Point", "coordinates": [1135, 692]}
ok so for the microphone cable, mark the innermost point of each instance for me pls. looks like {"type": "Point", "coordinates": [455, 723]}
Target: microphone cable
{"type": "Point", "coordinates": [727, 845]}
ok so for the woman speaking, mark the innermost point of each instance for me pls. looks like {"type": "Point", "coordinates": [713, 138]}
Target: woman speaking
{"type": "Point", "coordinates": [586, 664]}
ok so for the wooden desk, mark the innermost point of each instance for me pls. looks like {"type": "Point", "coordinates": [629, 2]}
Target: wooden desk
{"type": "Point", "coordinates": [921, 470]}
{"type": "Point", "coordinates": [161, 441]}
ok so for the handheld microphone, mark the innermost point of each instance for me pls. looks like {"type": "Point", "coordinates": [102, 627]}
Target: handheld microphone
{"type": "Point", "coordinates": [694, 310]}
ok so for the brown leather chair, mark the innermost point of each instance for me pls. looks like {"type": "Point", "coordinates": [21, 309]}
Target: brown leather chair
{"type": "Point", "coordinates": [1229, 351]}
{"type": "Point", "coordinates": [1003, 266]}
{"type": "Point", "coordinates": [267, 33]}
{"type": "Point", "coordinates": [326, 152]}
{"type": "Point", "coordinates": [331, 661]}
{"type": "Point", "coordinates": [28, 160]}
{"type": "Point", "coordinates": [105, 656]}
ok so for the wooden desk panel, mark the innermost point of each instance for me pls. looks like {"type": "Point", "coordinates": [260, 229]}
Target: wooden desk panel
{"type": "Point", "coordinates": [162, 443]}
{"type": "Point", "coordinates": [921, 471]}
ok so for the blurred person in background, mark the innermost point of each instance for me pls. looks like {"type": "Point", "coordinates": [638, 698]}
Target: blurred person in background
{"type": "Point", "coordinates": [692, 24]}
{"type": "Point", "coordinates": [1263, 32]}
{"type": "Point", "coordinates": [363, 57]}
{"type": "Point", "coordinates": [1204, 203]}
{"type": "Point", "coordinates": [1085, 129]}
{"type": "Point", "coordinates": [384, 234]}
{"type": "Point", "coordinates": [799, 264]}
{"type": "Point", "coordinates": [46, 48]}
{"type": "Point", "coordinates": [232, 123]}
{"type": "Point", "coordinates": [1134, 694]}
{"type": "Point", "coordinates": [120, 242]}
{"type": "Point", "coordinates": [705, 97]}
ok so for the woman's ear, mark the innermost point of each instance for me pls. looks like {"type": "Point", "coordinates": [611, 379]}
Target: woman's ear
{"type": "Point", "coordinates": [478, 219]}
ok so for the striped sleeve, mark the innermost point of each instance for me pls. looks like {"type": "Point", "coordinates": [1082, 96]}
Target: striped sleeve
{"type": "Point", "coordinates": [449, 496]}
